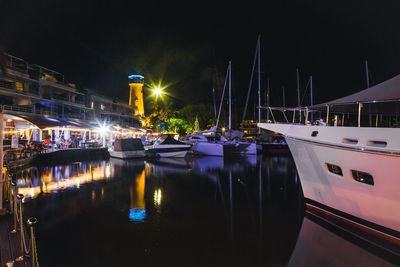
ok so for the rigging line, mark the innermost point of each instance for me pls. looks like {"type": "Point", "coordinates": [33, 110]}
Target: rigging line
{"type": "Point", "coordinates": [250, 83]}
{"type": "Point", "coordinates": [222, 97]}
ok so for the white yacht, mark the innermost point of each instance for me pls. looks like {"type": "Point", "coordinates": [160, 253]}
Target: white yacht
{"type": "Point", "coordinates": [351, 173]}
{"type": "Point", "coordinates": [206, 145]}
{"type": "Point", "coordinates": [168, 147]}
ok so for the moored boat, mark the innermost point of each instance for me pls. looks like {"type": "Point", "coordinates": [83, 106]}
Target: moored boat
{"type": "Point", "coordinates": [168, 147]}
{"type": "Point", "coordinates": [127, 148]}
{"type": "Point", "coordinates": [351, 172]}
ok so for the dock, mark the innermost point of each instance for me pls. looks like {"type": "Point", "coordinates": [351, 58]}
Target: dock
{"type": "Point", "coordinates": [10, 248]}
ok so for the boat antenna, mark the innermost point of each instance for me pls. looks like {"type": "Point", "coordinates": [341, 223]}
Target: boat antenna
{"type": "Point", "coordinates": [283, 96]}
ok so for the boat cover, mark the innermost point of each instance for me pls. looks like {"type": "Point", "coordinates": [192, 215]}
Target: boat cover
{"type": "Point", "coordinates": [171, 141]}
{"type": "Point", "coordinates": [388, 90]}
{"type": "Point", "coordinates": [128, 144]}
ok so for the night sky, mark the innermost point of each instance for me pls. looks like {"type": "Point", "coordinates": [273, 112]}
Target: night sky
{"type": "Point", "coordinates": [96, 43]}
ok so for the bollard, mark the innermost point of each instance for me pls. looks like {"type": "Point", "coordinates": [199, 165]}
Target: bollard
{"type": "Point", "coordinates": [31, 223]}
{"type": "Point", "coordinates": [15, 206]}
{"type": "Point", "coordinates": [3, 175]}
{"type": "Point", "coordinates": [20, 197]}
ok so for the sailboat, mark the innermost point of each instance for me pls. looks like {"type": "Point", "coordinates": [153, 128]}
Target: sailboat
{"type": "Point", "coordinates": [239, 147]}
{"type": "Point", "coordinates": [209, 143]}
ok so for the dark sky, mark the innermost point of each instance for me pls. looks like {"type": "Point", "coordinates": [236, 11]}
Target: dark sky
{"type": "Point", "coordinates": [96, 43]}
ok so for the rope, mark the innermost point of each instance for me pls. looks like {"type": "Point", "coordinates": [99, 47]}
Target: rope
{"type": "Point", "coordinates": [25, 246]}
{"type": "Point", "coordinates": [35, 258]}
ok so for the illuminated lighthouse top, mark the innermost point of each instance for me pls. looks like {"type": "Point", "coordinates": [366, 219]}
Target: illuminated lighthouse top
{"type": "Point", "coordinates": [136, 78]}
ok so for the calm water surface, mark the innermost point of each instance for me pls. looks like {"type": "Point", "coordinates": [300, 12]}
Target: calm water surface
{"type": "Point", "coordinates": [180, 212]}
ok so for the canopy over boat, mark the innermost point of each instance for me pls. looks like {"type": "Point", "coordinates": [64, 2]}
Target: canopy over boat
{"type": "Point", "coordinates": [382, 98]}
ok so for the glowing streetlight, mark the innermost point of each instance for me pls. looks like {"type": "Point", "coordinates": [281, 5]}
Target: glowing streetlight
{"type": "Point", "coordinates": [158, 91]}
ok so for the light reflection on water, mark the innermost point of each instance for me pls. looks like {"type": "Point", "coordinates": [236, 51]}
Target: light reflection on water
{"type": "Point", "coordinates": [178, 212]}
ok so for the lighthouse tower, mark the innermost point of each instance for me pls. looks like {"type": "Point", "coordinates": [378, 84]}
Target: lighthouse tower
{"type": "Point", "coordinates": [136, 93]}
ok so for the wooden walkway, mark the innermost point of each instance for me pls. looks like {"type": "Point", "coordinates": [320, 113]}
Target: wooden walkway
{"type": "Point", "coordinates": [9, 244]}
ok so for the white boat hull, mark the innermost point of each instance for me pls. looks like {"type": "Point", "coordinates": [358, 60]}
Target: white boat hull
{"type": "Point", "coordinates": [377, 205]}
{"type": "Point", "coordinates": [127, 154]}
{"type": "Point", "coordinates": [243, 148]}
{"type": "Point", "coordinates": [168, 151]}
{"type": "Point", "coordinates": [208, 149]}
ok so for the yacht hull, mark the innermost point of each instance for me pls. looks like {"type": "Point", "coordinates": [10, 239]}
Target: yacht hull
{"type": "Point", "coordinates": [168, 151]}
{"type": "Point", "coordinates": [374, 204]}
{"type": "Point", "coordinates": [127, 154]}
{"type": "Point", "coordinates": [208, 149]}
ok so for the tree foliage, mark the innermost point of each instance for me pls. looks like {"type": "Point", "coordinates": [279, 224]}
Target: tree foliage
{"type": "Point", "coordinates": [189, 119]}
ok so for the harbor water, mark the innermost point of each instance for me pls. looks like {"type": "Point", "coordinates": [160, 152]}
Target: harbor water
{"type": "Point", "coordinates": [202, 211]}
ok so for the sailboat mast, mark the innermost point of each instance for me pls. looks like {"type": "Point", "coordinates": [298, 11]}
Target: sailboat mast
{"type": "Point", "coordinates": [259, 80]}
{"type": "Point", "coordinates": [215, 106]}
{"type": "Point", "coordinates": [367, 72]}
{"type": "Point", "coordinates": [312, 97]}
{"type": "Point", "coordinates": [230, 96]}
{"type": "Point", "coordinates": [267, 100]}
{"type": "Point", "coordinates": [298, 93]}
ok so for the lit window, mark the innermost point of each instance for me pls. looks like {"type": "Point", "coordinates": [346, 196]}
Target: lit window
{"type": "Point", "coordinates": [363, 177]}
{"type": "Point", "coordinates": [92, 104]}
{"type": "Point", "coordinates": [102, 107]}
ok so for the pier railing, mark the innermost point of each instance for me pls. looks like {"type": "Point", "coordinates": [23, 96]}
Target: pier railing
{"type": "Point", "coordinates": [24, 230]}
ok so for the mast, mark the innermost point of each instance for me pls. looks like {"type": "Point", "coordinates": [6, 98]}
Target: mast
{"type": "Point", "coordinates": [267, 100]}
{"type": "Point", "coordinates": [250, 82]}
{"type": "Point", "coordinates": [369, 106]}
{"type": "Point", "coordinates": [298, 92]}
{"type": "Point", "coordinates": [367, 72]}
{"type": "Point", "coordinates": [215, 107]}
{"type": "Point", "coordinates": [283, 96]}
{"type": "Point", "coordinates": [259, 80]}
{"type": "Point", "coordinates": [312, 97]}
{"type": "Point", "coordinates": [222, 98]}
{"type": "Point", "coordinates": [230, 95]}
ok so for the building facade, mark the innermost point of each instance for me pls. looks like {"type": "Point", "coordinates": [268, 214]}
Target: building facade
{"type": "Point", "coordinates": [41, 96]}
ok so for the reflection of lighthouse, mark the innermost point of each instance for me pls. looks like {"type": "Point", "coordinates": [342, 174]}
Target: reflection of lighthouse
{"type": "Point", "coordinates": [136, 94]}
{"type": "Point", "coordinates": [137, 211]}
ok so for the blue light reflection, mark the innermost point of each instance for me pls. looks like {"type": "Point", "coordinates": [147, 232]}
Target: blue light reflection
{"type": "Point", "coordinates": [137, 215]}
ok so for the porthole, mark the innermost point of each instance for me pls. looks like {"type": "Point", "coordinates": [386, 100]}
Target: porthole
{"type": "Point", "coordinates": [335, 169]}
{"type": "Point", "coordinates": [362, 177]}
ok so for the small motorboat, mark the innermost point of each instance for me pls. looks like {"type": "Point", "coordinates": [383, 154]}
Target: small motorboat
{"type": "Point", "coordinates": [168, 148]}
{"type": "Point", "coordinates": [127, 149]}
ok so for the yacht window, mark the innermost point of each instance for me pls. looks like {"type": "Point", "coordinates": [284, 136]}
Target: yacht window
{"type": "Point", "coordinates": [314, 133]}
{"type": "Point", "coordinates": [376, 143]}
{"type": "Point", "coordinates": [363, 177]}
{"type": "Point", "coordinates": [351, 141]}
{"type": "Point", "coordinates": [335, 169]}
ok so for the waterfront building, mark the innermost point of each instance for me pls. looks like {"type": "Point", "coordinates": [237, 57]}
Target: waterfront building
{"type": "Point", "coordinates": [37, 104]}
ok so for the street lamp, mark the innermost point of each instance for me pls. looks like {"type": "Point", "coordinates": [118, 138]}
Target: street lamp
{"type": "Point", "coordinates": [158, 91]}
